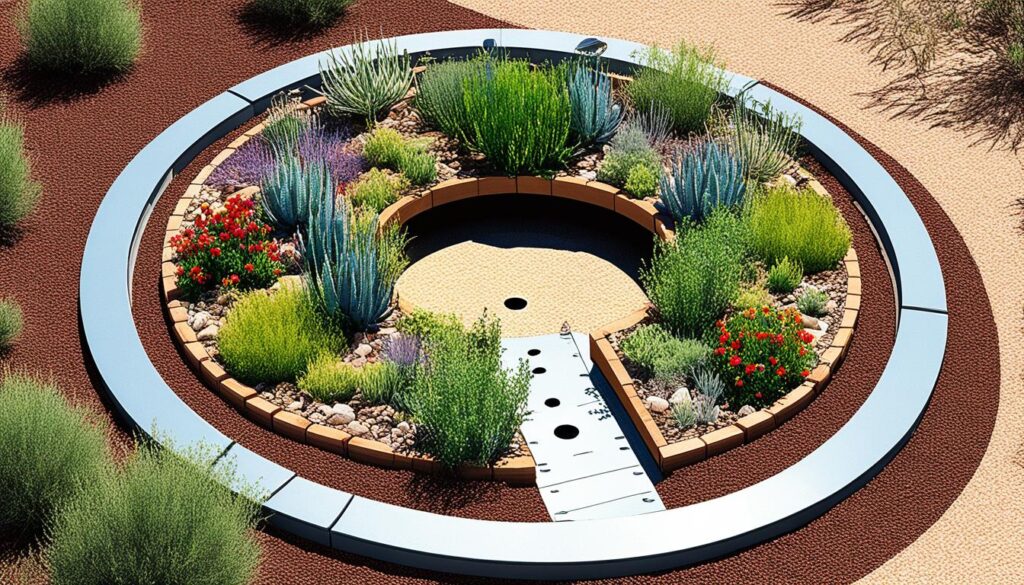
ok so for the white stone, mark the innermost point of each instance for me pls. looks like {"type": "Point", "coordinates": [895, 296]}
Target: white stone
{"type": "Point", "coordinates": [199, 320]}
{"type": "Point", "coordinates": [809, 322]}
{"type": "Point", "coordinates": [363, 350]}
{"type": "Point", "coordinates": [404, 426]}
{"type": "Point", "coordinates": [680, 396]}
{"type": "Point", "coordinates": [209, 333]}
{"type": "Point", "coordinates": [344, 413]}
{"type": "Point", "coordinates": [657, 404]}
{"type": "Point", "coordinates": [357, 428]}
{"type": "Point", "coordinates": [747, 409]}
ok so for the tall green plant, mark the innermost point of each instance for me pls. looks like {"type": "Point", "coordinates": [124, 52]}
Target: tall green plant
{"type": "Point", "coordinates": [520, 117]}
{"type": "Point", "coordinates": [686, 81]}
{"type": "Point", "coordinates": [595, 115]}
{"type": "Point", "coordinates": [801, 225]}
{"type": "Point", "coordinates": [81, 36]}
{"type": "Point", "coordinates": [439, 95]}
{"type": "Point", "coordinates": [365, 81]}
{"type": "Point", "coordinates": [765, 139]}
{"type": "Point", "coordinates": [701, 179]}
{"type": "Point", "coordinates": [18, 192]}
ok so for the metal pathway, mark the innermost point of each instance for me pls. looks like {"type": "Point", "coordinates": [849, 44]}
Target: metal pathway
{"type": "Point", "coordinates": [587, 467]}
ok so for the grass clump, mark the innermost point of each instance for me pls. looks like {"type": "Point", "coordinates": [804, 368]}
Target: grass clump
{"type": "Point", "coordinates": [328, 379]}
{"type": "Point", "coordinates": [655, 349]}
{"type": "Point", "coordinates": [685, 81]}
{"type": "Point", "coordinates": [439, 95]}
{"type": "Point", "coordinates": [752, 296]}
{"type": "Point", "coordinates": [387, 148]}
{"type": "Point", "coordinates": [18, 192]}
{"type": "Point", "coordinates": [82, 36]}
{"type": "Point", "coordinates": [764, 139]}
{"type": "Point", "coordinates": [785, 276]}
{"type": "Point", "coordinates": [801, 225]}
{"type": "Point", "coordinates": [812, 302]}
{"type": "Point", "coordinates": [366, 81]}
{"type": "Point", "coordinates": [468, 406]}
{"type": "Point", "coordinates": [695, 278]}
{"type": "Point", "coordinates": [11, 322]}
{"type": "Point", "coordinates": [303, 13]}
{"type": "Point", "coordinates": [683, 414]}
{"type": "Point", "coordinates": [382, 383]}
{"type": "Point", "coordinates": [271, 338]}
{"type": "Point", "coordinates": [50, 450]}
{"type": "Point", "coordinates": [163, 519]}
{"type": "Point", "coordinates": [422, 323]}
{"type": "Point", "coordinates": [376, 190]}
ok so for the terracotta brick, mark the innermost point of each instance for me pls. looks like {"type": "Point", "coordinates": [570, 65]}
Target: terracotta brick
{"type": "Point", "coordinates": [604, 188]}
{"type": "Point", "coordinates": [454, 190]}
{"type": "Point", "coordinates": [831, 356]}
{"type": "Point", "coordinates": [177, 313]}
{"type": "Point", "coordinates": [328, 438]}
{"type": "Point", "coordinates": [425, 464]}
{"type": "Point", "coordinates": [516, 471]}
{"type": "Point", "coordinates": [316, 101]}
{"type": "Point", "coordinates": [529, 185]}
{"type": "Point", "coordinates": [853, 302]}
{"type": "Point", "coordinates": [475, 473]}
{"type": "Point", "coordinates": [851, 255]}
{"type": "Point", "coordinates": [260, 410]}
{"type": "Point", "coordinates": [640, 212]}
{"type": "Point", "coordinates": [195, 353]}
{"type": "Point", "coordinates": [577, 189]}
{"type": "Point", "coordinates": [853, 268]}
{"type": "Point", "coordinates": [255, 129]}
{"type": "Point", "coordinates": [238, 142]}
{"type": "Point", "coordinates": [496, 185]}
{"type": "Point", "coordinates": [600, 345]}
{"type": "Point", "coordinates": [387, 216]}
{"type": "Point", "coordinates": [167, 269]}
{"type": "Point", "coordinates": [290, 425]}
{"type": "Point", "coordinates": [212, 372]}
{"type": "Point", "coordinates": [820, 376]}
{"type": "Point", "coordinates": [755, 424]}
{"type": "Point", "coordinates": [792, 403]}
{"type": "Point", "coordinates": [170, 287]}
{"type": "Point", "coordinates": [167, 254]}
{"type": "Point", "coordinates": [182, 206]}
{"type": "Point", "coordinates": [636, 409]}
{"type": "Point", "coordinates": [723, 439]}
{"type": "Point", "coordinates": [842, 338]}
{"type": "Point", "coordinates": [402, 461]}
{"type": "Point", "coordinates": [240, 395]}
{"type": "Point", "coordinates": [629, 390]}
{"type": "Point", "coordinates": [184, 333]}
{"type": "Point", "coordinates": [203, 175]}
{"type": "Point", "coordinates": [665, 233]}
{"type": "Point", "coordinates": [682, 453]}
{"type": "Point", "coordinates": [414, 206]}
{"type": "Point", "coordinates": [625, 322]}
{"type": "Point", "coordinates": [173, 224]}
{"type": "Point", "coordinates": [653, 436]}
{"type": "Point", "coordinates": [222, 156]}
{"type": "Point", "coordinates": [849, 318]}
{"type": "Point", "coordinates": [853, 286]}
{"type": "Point", "coordinates": [372, 452]}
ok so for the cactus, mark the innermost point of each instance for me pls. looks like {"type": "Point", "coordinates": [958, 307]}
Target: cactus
{"type": "Point", "coordinates": [700, 179]}
{"type": "Point", "coordinates": [289, 190]}
{"type": "Point", "coordinates": [595, 115]}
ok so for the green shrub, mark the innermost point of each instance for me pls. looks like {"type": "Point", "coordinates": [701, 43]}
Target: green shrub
{"type": "Point", "coordinates": [642, 182]}
{"type": "Point", "coordinates": [285, 124]}
{"type": "Point", "coordinates": [694, 279]}
{"type": "Point", "coordinates": [628, 150]}
{"type": "Point", "coordinates": [376, 190]}
{"type": "Point", "coordinates": [271, 338]}
{"type": "Point", "coordinates": [785, 276]}
{"type": "Point", "coordinates": [752, 296]}
{"type": "Point", "coordinates": [418, 166]}
{"type": "Point", "coordinates": [382, 382]}
{"type": "Point", "coordinates": [683, 415]}
{"type": "Point", "coordinates": [82, 36]}
{"type": "Point", "coordinates": [659, 352]}
{"type": "Point", "coordinates": [366, 82]}
{"type": "Point", "coordinates": [328, 379]}
{"type": "Point", "coordinates": [11, 323]}
{"type": "Point", "coordinates": [304, 13]}
{"type": "Point", "coordinates": [685, 81]}
{"type": "Point", "coordinates": [702, 178]}
{"type": "Point", "coordinates": [439, 95]}
{"type": "Point", "coordinates": [18, 192]}
{"type": "Point", "coordinates": [519, 116]}
{"type": "Point", "coordinates": [49, 450]}
{"type": "Point", "coordinates": [812, 302]}
{"type": "Point", "coordinates": [163, 519]}
{"type": "Point", "coordinates": [802, 225]}
{"type": "Point", "coordinates": [422, 323]}
{"type": "Point", "coordinates": [765, 140]}
{"type": "Point", "coordinates": [469, 407]}
{"type": "Point", "coordinates": [384, 147]}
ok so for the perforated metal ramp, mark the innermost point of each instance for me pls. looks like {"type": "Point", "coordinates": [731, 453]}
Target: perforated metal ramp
{"type": "Point", "coordinates": [587, 467]}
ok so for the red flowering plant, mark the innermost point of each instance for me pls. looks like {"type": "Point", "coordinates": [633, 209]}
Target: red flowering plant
{"type": "Point", "coordinates": [762, 353]}
{"type": "Point", "coordinates": [228, 247]}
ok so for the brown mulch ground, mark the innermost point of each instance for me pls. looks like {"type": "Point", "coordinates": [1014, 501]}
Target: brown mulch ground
{"type": "Point", "coordinates": [80, 141]}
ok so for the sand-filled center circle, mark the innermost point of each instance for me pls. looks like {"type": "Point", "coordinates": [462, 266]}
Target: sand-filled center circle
{"type": "Point", "coordinates": [535, 262]}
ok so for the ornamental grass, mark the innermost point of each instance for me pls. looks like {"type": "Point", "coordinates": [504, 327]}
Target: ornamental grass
{"type": "Point", "coordinates": [799, 224]}
{"type": "Point", "coordinates": [18, 192]}
{"type": "Point", "coordinates": [686, 82]}
{"type": "Point", "coordinates": [82, 36]}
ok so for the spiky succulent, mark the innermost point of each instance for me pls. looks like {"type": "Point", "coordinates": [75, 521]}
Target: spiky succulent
{"type": "Point", "coordinates": [595, 115]}
{"type": "Point", "coordinates": [701, 178]}
{"type": "Point", "coordinates": [365, 80]}
{"type": "Point", "coordinates": [288, 192]}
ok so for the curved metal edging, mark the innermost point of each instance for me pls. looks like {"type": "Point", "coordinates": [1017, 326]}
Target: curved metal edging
{"type": "Point", "coordinates": [599, 548]}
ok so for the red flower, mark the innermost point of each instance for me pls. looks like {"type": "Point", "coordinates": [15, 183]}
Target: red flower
{"type": "Point", "coordinates": [750, 369]}
{"type": "Point", "coordinates": [195, 270]}
{"type": "Point", "coordinates": [720, 351]}
{"type": "Point", "coordinates": [758, 395]}
{"type": "Point", "coordinates": [214, 252]}
{"type": "Point", "coordinates": [780, 372]}
{"type": "Point", "coordinates": [723, 338]}
{"type": "Point", "coordinates": [805, 373]}
{"type": "Point", "coordinates": [180, 271]}
{"type": "Point", "coordinates": [772, 360]}
{"type": "Point", "coordinates": [235, 279]}
{"type": "Point", "coordinates": [249, 267]}
{"type": "Point", "coordinates": [739, 383]}
{"type": "Point", "coordinates": [735, 361]}
{"type": "Point", "coordinates": [735, 344]}
{"type": "Point", "coordinates": [225, 236]}
{"type": "Point", "coordinates": [277, 272]}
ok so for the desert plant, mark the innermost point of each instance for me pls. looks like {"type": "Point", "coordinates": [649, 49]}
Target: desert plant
{"type": "Point", "coordinates": [49, 449]}
{"type": "Point", "coordinates": [812, 302]}
{"type": "Point", "coordinates": [595, 114]}
{"type": "Point", "coordinates": [641, 182]}
{"type": "Point", "coordinates": [384, 147]}
{"type": "Point", "coordinates": [249, 165]}
{"type": "Point", "coordinates": [303, 13]}
{"type": "Point", "coordinates": [352, 268]}
{"type": "Point", "coordinates": [628, 150]}
{"type": "Point", "coordinates": [469, 407]}
{"type": "Point", "coordinates": [700, 179]}
{"type": "Point", "coordinates": [439, 95]}
{"type": "Point", "coordinates": [654, 121]}
{"type": "Point", "coordinates": [11, 322]}
{"type": "Point", "coordinates": [657, 351]}
{"type": "Point", "coordinates": [520, 117]}
{"type": "Point", "coordinates": [709, 389]}
{"type": "Point", "coordinates": [422, 323]}
{"type": "Point", "coordinates": [328, 379]}
{"type": "Point", "coordinates": [18, 192]}
{"type": "Point", "coordinates": [290, 190]}
{"type": "Point", "coordinates": [764, 139]}
{"type": "Point", "coordinates": [683, 414]}
{"type": "Point", "coordinates": [693, 279]}
{"type": "Point", "coordinates": [164, 518]}
{"type": "Point", "coordinates": [285, 123]}
{"type": "Point", "coordinates": [365, 81]}
{"type": "Point", "coordinates": [82, 36]}
{"type": "Point", "coordinates": [271, 338]}
{"type": "Point", "coordinates": [418, 166]}
{"type": "Point", "coordinates": [752, 296]}
{"type": "Point", "coordinates": [382, 383]}
{"type": "Point", "coordinates": [404, 354]}
{"type": "Point", "coordinates": [785, 276]}
{"type": "Point", "coordinates": [686, 81]}
{"type": "Point", "coordinates": [799, 224]}
{"type": "Point", "coordinates": [376, 190]}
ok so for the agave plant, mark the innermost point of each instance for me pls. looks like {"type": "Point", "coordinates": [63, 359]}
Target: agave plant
{"type": "Point", "coordinates": [351, 268]}
{"type": "Point", "coordinates": [655, 121]}
{"type": "Point", "coordinates": [292, 187]}
{"type": "Point", "coordinates": [366, 81]}
{"type": "Point", "coordinates": [595, 115]}
{"type": "Point", "coordinates": [709, 390]}
{"type": "Point", "coordinates": [700, 178]}
{"type": "Point", "coordinates": [764, 139]}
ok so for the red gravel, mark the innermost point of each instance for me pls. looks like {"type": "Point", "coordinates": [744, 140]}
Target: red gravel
{"type": "Point", "coordinates": [195, 49]}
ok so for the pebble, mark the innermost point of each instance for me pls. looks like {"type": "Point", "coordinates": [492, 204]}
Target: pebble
{"type": "Point", "coordinates": [588, 175]}
{"type": "Point", "coordinates": [363, 350]}
{"type": "Point", "coordinates": [657, 404]}
{"type": "Point", "coordinates": [342, 413]}
{"type": "Point", "coordinates": [809, 322]}
{"type": "Point", "coordinates": [297, 405]}
{"type": "Point", "coordinates": [357, 428]}
{"type": "Point", "coordinates": [404, 426]}
{"type": "Point", "coordinates": [199, 320]}
{"type": "Point", "coordinates": [680, 396]}
{"type": "Point", "coordinates": [209, 333]}
{"type": "Point", "coordinates": [747, 409]}
{"type": "Point", "coordinates": [831, 305]}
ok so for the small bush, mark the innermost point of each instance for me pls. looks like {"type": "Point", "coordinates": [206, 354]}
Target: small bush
{"type": "Point", "coordinates": [801, 225]}
{"type": "Point", "coordinates": [328, 379]}
{"type": "Point", "coordinates": [18, 192]}
{"type": "Point", "coordinates": [595, 115]}
{"type": "Point", "coordinates": [418, 166]}
{"type": "Point", "coordinates": [655, 122]}
{"type": "Point", "coordinates": [11, 322]}
{"type": "Point", "coordinates": [812, 302]}
{"type": "Point", "coordinates": [404, 354]}
{"type": "Point", "coordinates": [761, 354]}
{"type": "Point", "coordinates": [659, 352]}
{"type": "Point", "coordinates": [162, 519]}
{"type": "Point", "coordinates": [49, 450]}
{"type": "Point", "coordinates": [271, 338]}
{"type": "Point", "coordinates": [629, 150]}
{"type": "Point", "coordinates": [702, 178]}
{"type": "Point", "coordinates": [685, 81]}
{"type": "Point", "coordinates": [785, 276]}
{"type": "Point", "coordinates": [422, 323]}
{"type": "Point", "coordinates": [382, 383]}
{"type": "Point", "coordinates": [694, 279]}
{"type": "Point", "coordinates": [377, 190]}
{"type": "Point", "coordinates": [303, 13]}
{"type": "Point", "coordinates": [285, 123]}
{"type": "Point", "coordinates": [520, 117]}
{"type": "Point", "coordinates": [365, 81]}
{"type": "Point", "coordinates": [468, 406]}
{"type": "Point", "coordinates": [385, 148]}
{"type": "Point", "coordinates": [249, 165]}
{"type": "Point", "coordinates": [82, 36]}
{"type": "Point", "coordinates": [683, 415]}
{"type": "Point", "coordinates": [642, 182]}
{"type": "Point", "coordinates": [753, 296]}
{"type": "Point", "coordinates": [439, 96]}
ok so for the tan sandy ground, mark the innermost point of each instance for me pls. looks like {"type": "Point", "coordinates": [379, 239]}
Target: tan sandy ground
{"type": "Point", "coordinates": [979, 539]}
